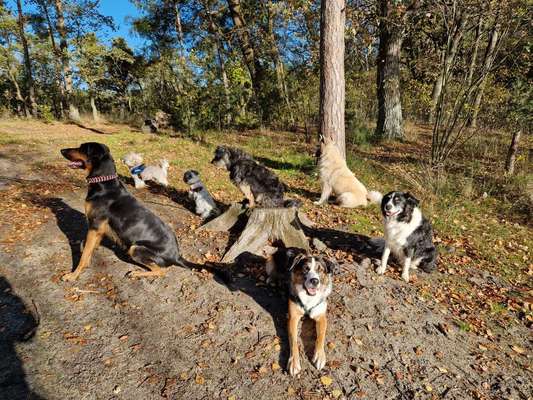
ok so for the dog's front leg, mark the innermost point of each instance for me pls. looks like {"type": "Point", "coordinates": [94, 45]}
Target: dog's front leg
{"type": "Point", "coordinates": [319, 358]}
{"type": "Point", "coordinates": [245, 189]}
{"type": "Point", "coordinates": [139, 183]}
{"type": "Point", "coordinates": [326, 192]}
{"type": "Point", "coordinates": [407, 265]}
{"type": "Point", "coordinates": [93, 239]}
{"type": "Point", "coordinates": [295, 314]}
{"type": "Point", "coordinates": [384, 260]}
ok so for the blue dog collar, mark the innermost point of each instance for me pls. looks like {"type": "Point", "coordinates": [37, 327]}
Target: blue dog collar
{"type": "Point", "coordinates": [138, 169]}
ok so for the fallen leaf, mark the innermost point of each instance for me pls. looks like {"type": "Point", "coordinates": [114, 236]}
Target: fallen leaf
{"type": "Point", "coordinates": [336, 393]}
{"type": "Point", "coordinates": [199, 379]}
{"type": "Point", "coordinates": [275, 366]}
{"type": "Point", "coordinates": [518, 349]}
{"type": "Point", "coordinates": [429, 388]}
{"type": "Point", "coordinates": [184, 376]}
{"type": "Point", "coordinates": [326, 380]}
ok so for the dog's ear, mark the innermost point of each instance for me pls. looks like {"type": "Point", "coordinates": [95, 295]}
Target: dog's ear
{"type": "Point", "coordinates": [96, 150]}
{"type": "Point", "coordinates": [412, 199]}
{"type": "Point", "coordinates": [294, 258]}
{"type": "Point", "coordinates": [332, 266]}
{"type": "Point", "coordinates": [194, 172]}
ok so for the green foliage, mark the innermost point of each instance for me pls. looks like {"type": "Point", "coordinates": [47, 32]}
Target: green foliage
{"type": "Point", "coordinates": [45, 113]}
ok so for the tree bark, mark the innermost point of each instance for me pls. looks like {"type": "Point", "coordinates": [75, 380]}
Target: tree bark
{"type": "Point", "coordinates": [65, 61]}
{"type": "Point", "coordinates": [96, 118]}
{"type": "Point", "coordinates": [473, 60]}
{"type": "Point", "coordinates": [451, 50]}
{"type": "Point", "coordinates": [27, 61]}
{"type": "Point", "coordinates": [249, 54]}
{"type": "Point", "coordinates": [278, 62]}
{"type": "Point", "coordinates": [391, 33]}
{"type": "Point", "coordinates": [511, 153]}
{"type": "Point", "coordinates": [332, 85]}
{"type": "Point", "coordinates": [215, 30]}
{"type": "Point", "coordinates": [57, 64]}
{"type": "Point", "coordinates": [488, 59]}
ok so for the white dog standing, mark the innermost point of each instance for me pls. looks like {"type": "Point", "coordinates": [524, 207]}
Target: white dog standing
{"type": "Point", "coordinates": [141, 173]}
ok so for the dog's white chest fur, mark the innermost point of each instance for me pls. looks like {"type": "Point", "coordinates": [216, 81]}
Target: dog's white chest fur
{"type": "Point", "coordinates": [396, 233]}
{"type": "Point", "coordinates": [314, 305]}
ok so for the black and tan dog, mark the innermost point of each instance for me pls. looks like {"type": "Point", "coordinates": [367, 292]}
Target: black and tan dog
{"type": "Point", "coordinates": [310, 280]}
{"type": "Point", "coordinates": [257, 183]}
{"type": "Point", "coordinates": [112, 211]}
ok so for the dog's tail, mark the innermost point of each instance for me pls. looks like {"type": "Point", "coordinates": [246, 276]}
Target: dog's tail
{"type": "Point", "coordinates": [374, 197]}
{"type": "Point", "coordinates": [429, 263]}
{"type": "Point", "coordinates": [221, 271]}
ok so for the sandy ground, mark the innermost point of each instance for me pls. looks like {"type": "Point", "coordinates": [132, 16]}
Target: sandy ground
{"type": "Point", "coordinates": [189, 336]}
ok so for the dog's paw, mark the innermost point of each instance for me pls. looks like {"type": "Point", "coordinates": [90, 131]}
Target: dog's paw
{"type": "Point", "coordinates": [70, 277]}
{"type": "Point", "coordinates": [294, 366]}
{"type": "Point", "coordinates": [132, 274]}
{"type": "Point", "coordinates": [319, 359]}
{"type": "Point", "coordinates": [405, 276]}
{"type": "Point", "coordinates": [381, 270]}
{"type": "Point", "coordinates": [317, 203]}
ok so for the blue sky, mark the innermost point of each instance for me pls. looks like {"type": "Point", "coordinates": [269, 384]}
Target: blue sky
{"type": "Point", "coordinates": [120, 10]}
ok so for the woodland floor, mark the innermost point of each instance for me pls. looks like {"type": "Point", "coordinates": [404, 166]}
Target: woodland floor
{"type": "Point", "coordinates": [463, 332]}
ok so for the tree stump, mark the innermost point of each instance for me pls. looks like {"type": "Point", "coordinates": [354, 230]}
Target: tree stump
{"type": "Point", "coordinates": [264, 225]}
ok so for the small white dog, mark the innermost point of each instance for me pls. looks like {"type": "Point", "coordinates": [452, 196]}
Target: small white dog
{"type": "Point", "coordinates": [205, 205]}
{"type": "Point", "coordinates": [141, 173]}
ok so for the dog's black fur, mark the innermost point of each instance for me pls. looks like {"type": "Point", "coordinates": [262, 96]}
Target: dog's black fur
{"type": "Point", "coordinates": [265, 186]}
{"type": "Point", "coordinates": [112, 211]}
{"type": "Point", "coordinates": [419, 243]}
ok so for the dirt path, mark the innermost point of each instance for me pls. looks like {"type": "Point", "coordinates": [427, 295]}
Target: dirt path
{"type": "Point", "coordinates": [187, 336]}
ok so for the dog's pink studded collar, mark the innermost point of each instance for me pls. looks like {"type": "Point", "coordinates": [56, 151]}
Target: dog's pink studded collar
{"type": "Point", "coordinates": [102, 178]}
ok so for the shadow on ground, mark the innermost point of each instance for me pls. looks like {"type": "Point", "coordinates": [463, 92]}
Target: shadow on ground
{"type": "Point", "coordinates": [17, 324]}
{"type": "Point", "coordinates": [74, 226]}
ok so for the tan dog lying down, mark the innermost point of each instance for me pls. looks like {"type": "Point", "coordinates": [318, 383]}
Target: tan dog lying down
{"type": "Point", "coordinates": [337, 179]}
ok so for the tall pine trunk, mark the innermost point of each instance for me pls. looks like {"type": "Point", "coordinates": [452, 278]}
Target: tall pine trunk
{"type": "Point", "coordinates": [332, 86]}
{"type": "Point", "coordinates": [65, 61]}
{"type": "Point", "coordinates": [27, 61]}
{"type": "Point", "coordinates": [57, 61]}
{"type": "Point", "coordinates": [390, 119]}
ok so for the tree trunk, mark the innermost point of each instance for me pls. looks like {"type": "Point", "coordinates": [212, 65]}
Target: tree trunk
{"type": "Point", "coordinates": [65, 61]}
{"type": "Point", "coordinates": [390, 119]}
{"type": "Point", "coordinates": [250, 58]}
{"type": "Point", "coordinates": [488, 59]}
{"type": "Point", "coordinates": [511, 153]}
{"type": "Point", "coordinates": [473, 60]}
{"type": "Point", "coordinates": [57, 64]}
{"type": "Point", "coordinates": [27, 61]}
{"type": "Point", "coordinates": [96, 118]}
{"type": "Point", "coordinates": [451, 50]}
{"type": "Point", "coordinates": [278, 62]}
{"type": "Point", "coordinates": [332, 89]}
{"type": "Point", "coordinates": [214, 29]}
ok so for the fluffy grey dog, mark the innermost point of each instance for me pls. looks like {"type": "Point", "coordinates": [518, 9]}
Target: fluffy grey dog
{"type": "Point", "coordinates": [205, 205]}
{"type": "Point", "coordinates": [141, 173]}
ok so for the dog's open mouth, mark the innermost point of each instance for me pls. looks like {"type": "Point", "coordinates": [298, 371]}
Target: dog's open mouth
{"type": "Point", "coordinates": [75, 164]}
{"type": "Point", "coordinates": [311, 291]}
{"type": "Point", "coordinates": [391, 213]}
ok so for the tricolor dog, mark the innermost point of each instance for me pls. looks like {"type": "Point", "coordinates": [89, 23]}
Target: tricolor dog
{"type": "Point", "coordinates": [408, 235]}
{"type": "Point", "coordinates": [310, 280]}
{"type": "Point", "coordinates": [257, 183]}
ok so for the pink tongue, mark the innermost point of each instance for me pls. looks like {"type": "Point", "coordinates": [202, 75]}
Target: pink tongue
{"type": "Point", "coordinates": [75, 164]}
{"type": "Point", "coordinates": [311, 291]}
